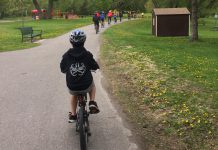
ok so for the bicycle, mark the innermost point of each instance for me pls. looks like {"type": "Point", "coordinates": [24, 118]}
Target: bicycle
{"type": "Point", "coordinates": [97, 28]}
{"type": "Point", "coordinates": [82, 123]}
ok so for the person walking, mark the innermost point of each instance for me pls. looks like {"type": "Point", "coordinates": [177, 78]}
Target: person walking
{"type": "Point", "coordinates": [115, 18]}
{"type": "Point", "coordinates": [129, 15]}
{"type": "Point", "coordinates": [120, 16]}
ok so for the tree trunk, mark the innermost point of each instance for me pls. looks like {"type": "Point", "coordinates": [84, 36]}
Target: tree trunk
{"type": "Point", "coordinates": [50, 9]}
{"type": "Point", "coordinates": [194, 20]}
{"type": "Point", "coordinates": [36, 4]}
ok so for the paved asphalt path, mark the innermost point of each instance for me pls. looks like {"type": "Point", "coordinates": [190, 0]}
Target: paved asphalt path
{"type": "Point", "coordinates": [34, 102]}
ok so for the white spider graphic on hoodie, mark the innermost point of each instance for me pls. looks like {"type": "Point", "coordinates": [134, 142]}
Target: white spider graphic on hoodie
{"type": "Point", "coordinates": [77, 69]}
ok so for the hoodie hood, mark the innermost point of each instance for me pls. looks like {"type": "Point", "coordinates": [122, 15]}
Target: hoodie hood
{"type": "Point", "coordinates": [77, 52]}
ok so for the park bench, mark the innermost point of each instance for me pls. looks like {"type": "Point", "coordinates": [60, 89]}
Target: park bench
{"type": "Point", "coordinates": [28, 32]}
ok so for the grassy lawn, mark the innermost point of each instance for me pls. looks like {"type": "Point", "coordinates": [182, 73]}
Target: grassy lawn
{"type": "Point", "coordinates": [10, 37]}
{"type": "Point", "coordinates": [168, 85]}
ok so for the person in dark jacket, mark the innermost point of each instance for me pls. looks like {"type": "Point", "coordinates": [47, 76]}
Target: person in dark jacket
{"type": "Point", "coordinates": [77, 63]}
{"type": "Point", "coordinates": [96, 19]}
{"type": "Point", "coordinates": [121, 16]}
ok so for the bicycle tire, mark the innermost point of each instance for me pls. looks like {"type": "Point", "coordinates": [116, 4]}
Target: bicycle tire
{"type": "Point", "coordinates": [82, 130]}
{"type": "Point", "coordinates": [96, 29]}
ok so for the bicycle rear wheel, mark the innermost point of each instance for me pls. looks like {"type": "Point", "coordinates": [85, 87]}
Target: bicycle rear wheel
{"type": "Point", "coordinates": [96, 29]}
{"type": "Point", "coordinates": [82, 130]}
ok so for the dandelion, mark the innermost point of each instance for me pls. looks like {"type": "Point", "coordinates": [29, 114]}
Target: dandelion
{"type": "Point", "coordinates": [199, 121]}
{"type": "Point", "coordinates": [186, 110]}
{"type": "Point", "coordinates": [206, 114]}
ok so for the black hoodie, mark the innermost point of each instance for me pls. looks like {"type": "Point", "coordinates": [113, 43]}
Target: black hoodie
{"type": "Point", "coordinates": [77, 63]}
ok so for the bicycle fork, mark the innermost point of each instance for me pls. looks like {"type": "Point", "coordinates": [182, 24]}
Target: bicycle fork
{"type": "Point", "coordinates": [86, 120]}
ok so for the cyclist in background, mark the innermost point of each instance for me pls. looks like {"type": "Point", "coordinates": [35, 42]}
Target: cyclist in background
{"type": "Point", "coordinates": [77, 64]}
{"type": "Point", "coordinates": [102, 17]}
{"type": "Point", "coordinates": [115, 18]}
{"type": "Point", "coordinates": [109, 15]}
{"type": "Point", "coordinates": [96, 19]}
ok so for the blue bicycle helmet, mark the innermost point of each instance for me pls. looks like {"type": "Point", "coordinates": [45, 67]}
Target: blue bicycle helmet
{"type": "Point", "coordinates": [77, 38]}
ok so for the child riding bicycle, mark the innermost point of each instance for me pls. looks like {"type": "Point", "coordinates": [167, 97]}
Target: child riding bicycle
{"type": "Point", "coordinates": [77, 64]}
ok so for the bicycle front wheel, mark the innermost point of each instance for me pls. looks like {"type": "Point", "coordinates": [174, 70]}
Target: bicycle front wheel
{"type": "Point", "coordinates": [82, 130]}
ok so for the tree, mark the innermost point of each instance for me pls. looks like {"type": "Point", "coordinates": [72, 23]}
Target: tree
{"type": "Point", "coordinates": [136, 5]}
{"type": "Point", "coordinates": [3, 6]}
{"type": "Point", "coordinates": [36, 4]}
{"type": "Point", "coordinates": [156, 4]}
{"type": "Point", "coordinates": [169, 3]}
{"type": "Point", "coordinates": [207, 7]}
{"type": "Point", "coordinates": [84, 7]}
{"type": "Point", "coordinates": [194, 13]}
{"type": "Point", "coordinates": [50, 9]}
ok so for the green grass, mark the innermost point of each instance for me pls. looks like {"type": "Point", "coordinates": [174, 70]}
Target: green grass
{"type": "Point", "coordinates": [168, 74]}
{"type": "Point", "coordinates": [10, 37]}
